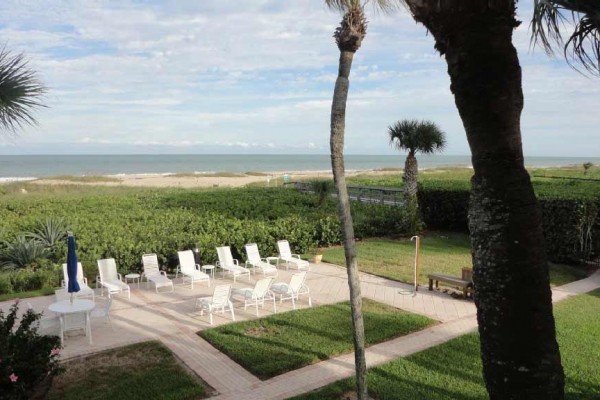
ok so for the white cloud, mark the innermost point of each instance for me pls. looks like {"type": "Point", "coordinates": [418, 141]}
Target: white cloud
{"type": "Point", "coordinates": [256, 74]}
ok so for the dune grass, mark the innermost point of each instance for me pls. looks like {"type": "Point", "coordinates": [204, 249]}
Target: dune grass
{"type": "Point", "coordinates": [445, 253]}
{"type": "Point", "coordinates": [80, 179]}
{"type": "Point", "coordinates": [140, 371]}
{"type": "Point", "coordinates": [286, 341]}
{"type": "Point", "coordinates": [453, 371]}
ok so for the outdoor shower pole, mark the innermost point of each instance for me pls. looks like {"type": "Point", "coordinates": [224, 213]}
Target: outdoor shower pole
{"type": "Point", "coordinates": [417, 240]}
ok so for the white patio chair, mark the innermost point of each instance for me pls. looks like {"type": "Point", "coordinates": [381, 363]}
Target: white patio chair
{"type": "Point", "coordinates": [293, 290]}
{"type": "Point", "coordinates": [256, 295]}
{"type": "Point", "coordinates": [103, 312]}
{"type": "Point", "coordinates": [256, 261]}
{"type": "Point", "coordinates": [153, 273]}
{"type": "Point", "coordinates": [62, 294]}
{"type": "Point", "coordinates": [293, 260]}
{"type": "Point", "coordinates": [230, 265]}
{"type": "Point", "coordinates": [218, 301]}
{"type": "Point", "coordinates": [189, 269]}
{"type": "Point", "coordinates": [111, 279]}
{"type": "Point", "coordinates": [67, 322]}
{"type": "Point", "coordinates": [84, 289]}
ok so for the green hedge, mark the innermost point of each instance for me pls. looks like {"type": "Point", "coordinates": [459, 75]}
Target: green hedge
{"type": "Point", "coordinates": [566, 220]}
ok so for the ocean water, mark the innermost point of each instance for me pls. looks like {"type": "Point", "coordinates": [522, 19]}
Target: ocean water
{"type": "Point", "coordinates": [30, 166]}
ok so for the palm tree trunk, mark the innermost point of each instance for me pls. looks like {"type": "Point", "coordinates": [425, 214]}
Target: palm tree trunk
{"type": "Point", "coordinates": [520, 355]}
{"type": "Point", "coordinates": [338, 116]}
{"type": "Point", "coordinates": [411, 171]}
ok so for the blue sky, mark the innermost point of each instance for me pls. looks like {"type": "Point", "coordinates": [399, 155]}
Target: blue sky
{"type": "Point", "coordinates": [256, 76]}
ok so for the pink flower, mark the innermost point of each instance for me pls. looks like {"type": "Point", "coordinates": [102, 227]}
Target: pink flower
{"type": "Point", "coordinates": [13, 378]}
{"type": "Point", "coordinates": [55, 351]}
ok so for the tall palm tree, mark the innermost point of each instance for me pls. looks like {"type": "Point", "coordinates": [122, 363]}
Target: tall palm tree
{"type": "Point", "coordinates": [20, 92]}
{"type": "Point", "coordinates": [415, 136]}
{"type": "Point", "coordinates": [520, 355]}
{"type": "Point", "coordinates": [348, 37]}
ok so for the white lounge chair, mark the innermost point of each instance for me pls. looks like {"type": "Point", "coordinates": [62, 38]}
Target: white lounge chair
{"type": "Point", "coordinates": [189, 269]}
{"type": "Point", "coordinates": [256, 295]}
{"type": "Point", "coordinates": [293, 290]}
{"type": "Point", "coordinates": [84, 289]}
{"type": "Point", "coordinates": [111, 279]}
{"type": "Point", "coordinates": [256, 261]}
{"type": "Point", "coordinates": [218, 301]}
{"type": "Point", "coordinates": [293, 260]}
{"type": "Point", "coordinates": [230, 265]}
{"type": "Point", "coordinates": [153, 273]}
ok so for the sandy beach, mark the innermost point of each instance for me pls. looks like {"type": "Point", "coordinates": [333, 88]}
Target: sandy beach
{"type": "Point", "coordinates": [200, 180]}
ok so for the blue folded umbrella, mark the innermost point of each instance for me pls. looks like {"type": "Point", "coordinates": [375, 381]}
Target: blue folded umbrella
{"type": "Point", "coordinates": [72, 265]}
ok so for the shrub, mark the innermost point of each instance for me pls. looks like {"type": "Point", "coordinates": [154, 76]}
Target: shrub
{"type": "Point", "coordinates": [26, 358]}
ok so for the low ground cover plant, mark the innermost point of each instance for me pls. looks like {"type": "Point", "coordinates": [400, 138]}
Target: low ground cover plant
{"type": "Point", "coordinates": [286, 341]}
{"type": "Point", "coordinates": [140, 371]}
{"type": "Point", "coordinates": [453, 371]}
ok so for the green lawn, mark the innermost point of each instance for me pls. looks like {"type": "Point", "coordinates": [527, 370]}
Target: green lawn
{"type": "Point", "coordinates": [445, 253]}
{"type": "Point", "coordinates": [141, 371]}
{"type": "Point", "coordinates": [452, 371]}
{"type": "Point", "coordinates": [24, 295]}
{"type": "Point", "coordinates": [283, 342]}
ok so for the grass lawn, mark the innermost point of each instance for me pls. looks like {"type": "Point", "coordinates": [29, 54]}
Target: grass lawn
{"type": "Point", "coordinates": [283, 342]}
{"type": "Point", "coordinates": [441, 252]}
{"type": "Point", "coordinates": [452, 371]}
{"type": "Point", "coordinates": [140, 371]}
{"type": "Point", "coordinates": [24, 295]}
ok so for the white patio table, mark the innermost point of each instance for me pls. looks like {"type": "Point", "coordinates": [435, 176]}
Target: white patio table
{"type": "Point", "coordinates": [78, 306]}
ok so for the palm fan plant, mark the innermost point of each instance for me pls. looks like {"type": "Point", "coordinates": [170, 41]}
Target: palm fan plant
{"type": "Point", "coordinates": [20, 91]}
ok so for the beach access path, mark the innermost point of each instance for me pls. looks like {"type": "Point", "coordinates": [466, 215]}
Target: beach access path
{"type": "Point", "coordinates": [173, 319]}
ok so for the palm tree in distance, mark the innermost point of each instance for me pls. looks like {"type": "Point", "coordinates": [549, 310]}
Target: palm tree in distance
{"type": "Point", "coordinates": [415, 137]}
{"type": "Point", "coordinates": [348, 37]}
{"type": "Point", "coordinates": [20, 92]}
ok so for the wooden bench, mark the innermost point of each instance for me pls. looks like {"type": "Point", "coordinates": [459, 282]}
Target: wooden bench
{"type": "Point", "coordinates": [465, 282]}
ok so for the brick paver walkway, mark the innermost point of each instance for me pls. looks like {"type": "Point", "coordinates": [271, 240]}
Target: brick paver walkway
{"type": "Point", "coordinates": [173, 319]}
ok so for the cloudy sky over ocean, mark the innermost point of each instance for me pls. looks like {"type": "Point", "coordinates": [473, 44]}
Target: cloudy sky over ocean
{"type": "Point", "coordinates": [256, 76]}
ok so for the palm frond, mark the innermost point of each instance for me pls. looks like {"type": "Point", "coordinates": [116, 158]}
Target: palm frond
{"type": "Point", "coordinates": [583, 44]}
{"type": "Point", "coordinates": [49, 232]}
{"type": "Point", "coordinates": [385, 6]}
{"type": "Point", "coordinates": [20, 92]}
{"type": "Point", "coordinates": [417, 136]}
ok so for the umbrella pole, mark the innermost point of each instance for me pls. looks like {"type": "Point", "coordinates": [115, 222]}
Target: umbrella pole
{"type": "Point", "coordinates": [71, 298]}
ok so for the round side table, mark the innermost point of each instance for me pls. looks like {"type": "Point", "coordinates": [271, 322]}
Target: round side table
{"type": "Point", "coordinates": [209, 269]}
{"type": "Point", "coordinates": [133, 278]}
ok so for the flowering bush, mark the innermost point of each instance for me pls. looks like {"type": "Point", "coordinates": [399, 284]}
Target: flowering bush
{"type": "Point", "coordinates": [26, 357]}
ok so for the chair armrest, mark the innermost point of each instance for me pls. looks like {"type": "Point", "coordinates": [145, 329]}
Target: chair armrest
{"type": "Point", "coordinates": [236, 262]}
{"type": "Point", "coordinates": [218, 264]}
{"type": "Point", "coordinates": [297, 256]}
{"type": "Point", "coordinates": [85, 280]}
{"type": "Point", "coordinates": [163, 273]}
{"type": "Point", "coordinates": [248, 263]}
{"type": "Point", "coordinates": [120, 276]}
{"type": "Point", "coordinates": [63, 283]}
{"type": "Point", "coordinates": [197, 266]}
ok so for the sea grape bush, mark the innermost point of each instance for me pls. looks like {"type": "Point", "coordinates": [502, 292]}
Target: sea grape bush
{"type": "Point", "coordinates": [126, 224]}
